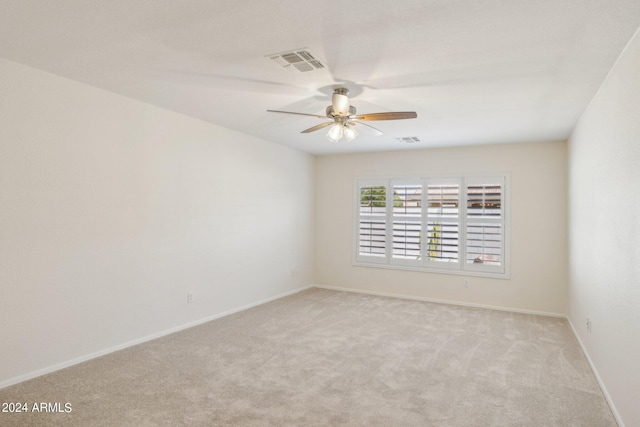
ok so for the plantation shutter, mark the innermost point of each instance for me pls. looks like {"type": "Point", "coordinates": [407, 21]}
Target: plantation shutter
{"type": "Point", "coordinates": [443, 223]}
{"type": "Point", "coordinates": [372, 221]}
{"type": "Point", "coordinates": [485, 224]}
{"type": "Point", "coordinates": [452, 224]}
{"type": "Point", "coordinates": [406, 219]}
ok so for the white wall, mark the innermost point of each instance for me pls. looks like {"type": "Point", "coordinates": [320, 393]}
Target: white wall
{"type": "Point", "coordinates": [538, 225]}
{"type": "Point", "coordinates": [111, 210]}
{"type": "Point", "coordinates": [604, 233]}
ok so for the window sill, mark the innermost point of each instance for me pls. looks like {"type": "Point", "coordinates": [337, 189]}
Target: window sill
{"type": "Point", "coordinates": [492, 275]}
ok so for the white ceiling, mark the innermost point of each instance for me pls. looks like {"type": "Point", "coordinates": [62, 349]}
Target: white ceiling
{"type": "Point", "coordinates": [475, 71]}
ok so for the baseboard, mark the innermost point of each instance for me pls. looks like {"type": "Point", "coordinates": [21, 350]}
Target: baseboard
{"type": "Point", "coordinates": [614, 411]}
{"type": "Point", "coordinates": [441, 301]}
{"type": "Point", "coordinates": [75, 361]}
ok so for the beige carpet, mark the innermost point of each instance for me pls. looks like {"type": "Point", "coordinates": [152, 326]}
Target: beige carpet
{"type": "Point", "coordinates": [327, 358]}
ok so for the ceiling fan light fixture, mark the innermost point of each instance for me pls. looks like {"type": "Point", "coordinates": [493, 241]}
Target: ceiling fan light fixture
{"type": "Point", "coordinates": [349, 132]}
{"type": "Point", "coordinates": [335, 132]}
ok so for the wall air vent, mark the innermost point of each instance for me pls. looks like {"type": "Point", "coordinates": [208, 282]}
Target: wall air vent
{"type": "Point", "coordinates": [409, 139]}
{"type": "Point", "coordinates": [300, 60]}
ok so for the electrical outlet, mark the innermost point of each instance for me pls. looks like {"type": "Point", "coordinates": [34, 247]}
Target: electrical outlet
{"type": "Point", "coordinates": [189, 297]}
{"type": "Point", "coordinates": [589, 325]}
{"type": "Point", "coordinates": [466, 283]}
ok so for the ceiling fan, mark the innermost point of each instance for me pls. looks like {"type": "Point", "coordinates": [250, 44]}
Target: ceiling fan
{"type": "Point", "coordinates": [342, 117]}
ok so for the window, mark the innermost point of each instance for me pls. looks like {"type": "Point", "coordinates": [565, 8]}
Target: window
{"type": "Point", "coordinates": [372, 220]}
{"type": "Point", "coordinates": [440, 224]}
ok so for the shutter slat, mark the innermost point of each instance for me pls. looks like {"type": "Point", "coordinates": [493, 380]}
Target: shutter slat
{"type": "Point", "coordinates": [442, 225]}
{"type": "Point", "coordinates": [373, 200]}
{"type": "Point", "coordinates": [372, 238]}
{"type": "Point", "coordinates": [407, 240]}
{"type": "Point", "coordinates": [484, 244]}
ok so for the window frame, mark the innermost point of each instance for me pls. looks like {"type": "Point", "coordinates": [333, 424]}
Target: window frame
{"type": "Point", "coordinates": [424, 264]}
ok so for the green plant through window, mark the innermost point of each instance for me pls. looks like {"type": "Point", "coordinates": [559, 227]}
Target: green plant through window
{"type": "Point", "coordinates": [435, 240]}
{"type": "Point", "coordinates": [376, 197]}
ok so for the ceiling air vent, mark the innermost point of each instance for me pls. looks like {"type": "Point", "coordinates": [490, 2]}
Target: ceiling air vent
{"type": "Point", "coordinates": [409, 139]}
{"type": "Point", "coordinates": [300, 60]}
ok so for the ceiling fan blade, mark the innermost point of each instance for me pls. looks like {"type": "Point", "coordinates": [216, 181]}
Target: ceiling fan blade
{"type": "Point", "coordinates": [300, 114]}
{"type": "Point", "coordinates": [376, 130]}
{"type": "Point", "coordinates": [317, 127]}
{"type": "Point", "coordinates": [387, 116]}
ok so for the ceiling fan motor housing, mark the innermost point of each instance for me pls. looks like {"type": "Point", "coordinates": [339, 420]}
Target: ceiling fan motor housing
{"type": "Point", "coordinates": [331, 113]}
{"type": "Point", "coordinates": [340, 102]}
